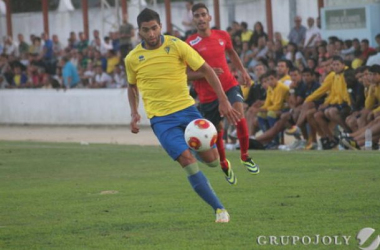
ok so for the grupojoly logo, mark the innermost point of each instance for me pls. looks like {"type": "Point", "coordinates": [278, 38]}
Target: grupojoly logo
{"type": "Point", "coordinates": [363, 236]}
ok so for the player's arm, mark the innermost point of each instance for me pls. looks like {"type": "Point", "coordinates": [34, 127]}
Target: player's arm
{"type": "Point", "coordinates": [196, 75]}
{"type": "Point", "coordinates": [225, 108]}
{"type": "Point", "coordinates": [235, 59]}
{"type": "Point", "coordinates": [133, 98]}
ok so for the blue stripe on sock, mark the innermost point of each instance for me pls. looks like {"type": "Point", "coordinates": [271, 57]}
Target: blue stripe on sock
{"type": "Point", "coordinates": [203, 188]}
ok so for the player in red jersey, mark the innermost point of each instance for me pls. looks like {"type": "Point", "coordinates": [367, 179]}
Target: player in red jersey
{"type": "Point", "coordinates": [213, 45]}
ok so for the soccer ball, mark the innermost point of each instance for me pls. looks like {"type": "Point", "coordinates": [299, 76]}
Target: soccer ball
{"type": "Point", "coordinates": [200, 135]}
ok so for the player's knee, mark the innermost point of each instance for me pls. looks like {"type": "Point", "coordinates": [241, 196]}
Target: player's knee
{"type": "Point", "coordinates": [213, 164]}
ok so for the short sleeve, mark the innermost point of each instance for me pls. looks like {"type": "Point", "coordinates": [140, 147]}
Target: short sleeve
{"type": "Point", "coordinates": [131, 74]}
{"type": "Point", "coordinates": [189, 55]}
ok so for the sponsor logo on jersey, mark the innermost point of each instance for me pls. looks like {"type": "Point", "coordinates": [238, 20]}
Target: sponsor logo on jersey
{"type": "Point", "coordinates": [141, 58]}
{"type": "Point", "coordinates": [221, 42]}
{"type": "Point", "coordinates": [195, 41]}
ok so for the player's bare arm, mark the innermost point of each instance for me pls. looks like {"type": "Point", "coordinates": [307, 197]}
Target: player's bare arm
{"type": "Point", "coordinates": [225, 107]}
{"type": "Point", "coordinates": [196, 75]}
{"type": "Point", "coordinates": [235, 59]}
{"type": "Point", "coordinates": [133, 98]}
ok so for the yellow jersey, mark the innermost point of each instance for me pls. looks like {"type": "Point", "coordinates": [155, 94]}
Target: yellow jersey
{"type": "Point", "coordinates": [160, 75]}
{"type": "Point", "coordinates": [373, 98]}
{"type": "Point", "coordinates": [276, 97]}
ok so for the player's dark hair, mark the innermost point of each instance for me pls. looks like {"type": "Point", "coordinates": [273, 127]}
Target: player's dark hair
{"type": "Point", "coordinates": [338, 58]}
{"type": "Point", "coordinates": [365, 41]}
{"type": "Point", "coordinates": [374, 69]}
{"type": "Point", "coordinates": [148, 15]}
{"type": "Point", "coordinates": [287, 62]}
{"type": "Point", "coordinates": [308, 70]}
{"type": "Point", "coordinates": [199, 6]}
{"type": "Point", "coordinates": [244, 25]}
{"type": "Point", "coordinates": [271, 73]}
{"type": "Point", "coordinates": [294, 69]}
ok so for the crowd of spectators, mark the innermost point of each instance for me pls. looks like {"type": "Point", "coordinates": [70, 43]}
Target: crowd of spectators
{"type": "Point", "coordinates": [303, 85]}
{"type": "Point", "coordinates": [83, 63]}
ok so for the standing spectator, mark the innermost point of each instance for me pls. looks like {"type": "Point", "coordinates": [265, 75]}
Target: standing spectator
{"type": "Point", "coordinates": [99, 46]}
{"type": "Point", "coordinates": [57, 48]}
{"type": "Point", "coordinates": [298, 32]}
{"type": "Point", "coordinates": [246, 34]}
{"type": "Point", "coordinates": [187, 20]}
{"type": "Point", "coordinates": [73, 40]}
{"type": "Point", "coordinates": [114, 36]}
{"type": "Point", "coordinates": [312, 36]}
{"type": "Point", "coordinates": [107, 43]}
{"type": "Point", "coordinates": [126, 33]}
{"type": "Point", "coordinates": [258, 31]}
{"type": "Point", "coordinates": [48, 54]}
{"type": "Point", "coordinates": [96, 35]}
{"type": "Point", "coordinates": [83, 42]}
{"type": "Point", "coordinates": [294, 55]}
{"type": "Point", "coordinates": [23, 47]}
{"type": "Point", "coordinates": [9, 47]}
{"type": "Point", "coordinates": [69, 73]}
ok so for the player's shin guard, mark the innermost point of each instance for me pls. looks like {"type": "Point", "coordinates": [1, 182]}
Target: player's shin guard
{"type": "Point", "coordinates": [243, 136]}
{"type": "Point", "coordinates": [202, 187]}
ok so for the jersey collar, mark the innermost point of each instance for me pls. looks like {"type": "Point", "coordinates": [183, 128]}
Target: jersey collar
{"type": "Point", "coordinates": [162, 42]}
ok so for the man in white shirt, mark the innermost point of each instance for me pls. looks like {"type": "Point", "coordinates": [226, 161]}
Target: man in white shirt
{"type": "Point", "coordinates": [102, 79]}
{"type": "Point", "coordinates": [312, 36]}
{"type": "Point", "coordinates": [187, 20]}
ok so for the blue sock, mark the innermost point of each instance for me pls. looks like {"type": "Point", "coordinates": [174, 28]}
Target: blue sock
{"type": "Point", "coordinates": [203, 188]}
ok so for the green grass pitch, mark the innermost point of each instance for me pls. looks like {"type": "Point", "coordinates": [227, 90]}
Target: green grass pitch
{"type": "Point", "coordinates": [51, 198]}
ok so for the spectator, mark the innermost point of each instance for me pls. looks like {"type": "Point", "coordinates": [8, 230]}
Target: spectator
{"type": "Point", "coordinates": [112, 61]}
{"type": "Point", "coordinates": [69, 73]}
{"type": "Point", "coordinates": [258, 31]}
{"type": "Point", "coordinates": [119, 77]}
{"type": "Point", "coordinates": [312, 36]}
{"type": "Point", "coordinates": [126, 33]}
{"type": "Point", "coordinates": [107, 43]}
{"type": "Point", "coordinates": [23, 47]}
{"type": "Point", "coordinates": [9, 46]}
{"type": "Point", "coordinates": [283, 67]}
{"type": "Point", "coordinates": [298, 32]}
{"type": "Point", "coordinates": [187, 20]}
{"type": "Point", "coordinates": [96, 35]}
{"type": "Point", "coordinates": [294, 56]}
{"type": "Point", "coordinates": [20, 79]}
{"type": "Point", "coordinates": [366, 50]}
{"type": "Point", "coordinates": [57, 48]}
{"type": "Point", "coordinates": [102, 79]}
{"type": "Point", "coordinates": [246, 34]}
{"type": "Point", "coordinates": [358, 61]}
{"type": "Point", "coordinates": [278, 37]}
{"type": "Point", "coordinates": [114, 36]}
{"type": "Point", "coordinates": [83, 42]}
{"type": "Point", "coordinates": [348, 50]}
{"type": "Point", "coordinates": [377, 38]}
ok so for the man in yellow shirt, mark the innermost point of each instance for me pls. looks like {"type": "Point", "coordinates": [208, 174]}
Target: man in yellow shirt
{"type": "Point", "coordinates": [336, 105]}
{"type": "Point", "coordinates": [283, 67]}
{"type": "Point", "coordinates": [157, 69]}
{"type": "Point", "coordinates": [275, 102]}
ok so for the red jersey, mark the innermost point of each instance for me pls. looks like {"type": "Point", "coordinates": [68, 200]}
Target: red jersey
{"type": "Point", "coordinates": [212, 49]}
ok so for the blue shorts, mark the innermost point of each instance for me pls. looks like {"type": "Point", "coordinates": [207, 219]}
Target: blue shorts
{"type": "Point", "coordinates": [170, 130]}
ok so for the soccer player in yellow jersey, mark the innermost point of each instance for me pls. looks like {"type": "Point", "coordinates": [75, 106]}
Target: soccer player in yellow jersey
{"type": "Point", "coordinates": [157, 69]}
{"type": "Point", "coordinates": [283, 67]}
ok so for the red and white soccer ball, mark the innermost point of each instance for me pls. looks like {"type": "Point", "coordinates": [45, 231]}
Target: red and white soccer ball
{"type": "Point", "coordinates": [200, 135]}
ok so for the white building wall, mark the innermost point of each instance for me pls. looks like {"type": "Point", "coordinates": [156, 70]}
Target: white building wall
{"type": "Point", "coordinates": [71, 107]}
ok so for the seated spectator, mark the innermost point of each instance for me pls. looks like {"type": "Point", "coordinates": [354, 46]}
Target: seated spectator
{"type": "Point", "coordinates": [258, 31]}
{"type": "Point", "coordinates": [275, 102]}
{"type": "Point", "coordinates": [112, 61]}
{"type": "Point", "coordinates": [20, 79]}
{"type": "Point", "coordinates": [283, 67]}
{"type": "Point", "coordinates": [83, 42]}
{"type": "Point", "coordinates": [278, 38]}
{"type": "Point", "coordinates": [358, 60]}
{"type": "Point", "coordinates": [10, 47]}
{"type": "Point", "coordinates": [336, 106]}
{"type": "Point", "coordinates": [119, 77]}
{"type": "Point", "coordinates": [366, 49]}
{"type": "Point", "coordinates": [23, 47]}
{"type": "Point", "coordinates": [34, 76]}
{"type": "Point", "coordinates": [246, 34]}
{"type": "Point", "coordinates": [101, 79]}
{"type": "Point", "coordinates": [294, 55]}
{"type": "Point", "coordinates": [348, 50]}
{"type": "Point", "coordinates": [69, 73]}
